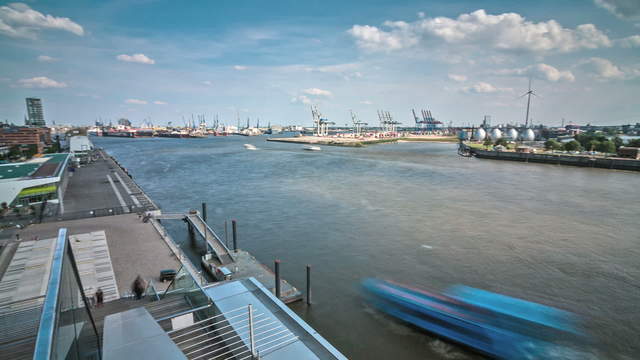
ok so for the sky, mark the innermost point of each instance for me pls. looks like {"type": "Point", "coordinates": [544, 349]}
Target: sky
{"type": "Point", "coordinates": [164, 61]}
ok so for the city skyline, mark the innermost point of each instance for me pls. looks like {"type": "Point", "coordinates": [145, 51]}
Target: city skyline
{"type": "Point", "coordinates": [158, 61]}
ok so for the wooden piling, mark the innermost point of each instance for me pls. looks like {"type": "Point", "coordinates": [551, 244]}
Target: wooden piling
{"type": "Point", "coordinates": [308, 284]}
{"type": "Point", "coordinates": [204, 212]}
{"type": "Point", "coordinates": [277, 270]}
{"type": "Point", "coordinates": [235, 235]}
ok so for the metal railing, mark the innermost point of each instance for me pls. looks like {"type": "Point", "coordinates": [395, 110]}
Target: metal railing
{"type": "Point", "coordinates": [241, 333]}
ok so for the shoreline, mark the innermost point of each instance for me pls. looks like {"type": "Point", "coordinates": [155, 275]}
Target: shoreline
{"type": "Point", "coordinates": [351, 142]}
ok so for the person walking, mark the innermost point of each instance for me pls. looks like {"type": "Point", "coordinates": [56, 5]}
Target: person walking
{"type": "Point", "coordinates": [138, 287]}
{"type": "Point", "coordinates": [99, 297]}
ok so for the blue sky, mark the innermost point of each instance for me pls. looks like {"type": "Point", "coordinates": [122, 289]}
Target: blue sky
{"type": "Point", "coordinates": [165, 60]}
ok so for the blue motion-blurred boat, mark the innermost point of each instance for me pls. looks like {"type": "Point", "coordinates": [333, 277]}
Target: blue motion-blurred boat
{"type": "Point", "coordinates": [494, 324]}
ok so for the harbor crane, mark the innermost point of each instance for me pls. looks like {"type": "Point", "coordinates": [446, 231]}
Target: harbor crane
{"type": "Point", "coordinates": [321, 124]}
{"type": "Point", "coordinates": [386, 121]}
{"type": "Point", "coordinates": [357, 124]}
{"type": "Point", "coordinates": [427, 123]}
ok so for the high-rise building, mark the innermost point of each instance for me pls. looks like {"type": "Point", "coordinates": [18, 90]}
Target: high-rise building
{"type": "Point", "coordinates": [35, 115]}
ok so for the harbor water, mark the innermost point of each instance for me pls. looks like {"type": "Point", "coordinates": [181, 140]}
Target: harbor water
{"type": "Point", "coordinates": [419, 214]}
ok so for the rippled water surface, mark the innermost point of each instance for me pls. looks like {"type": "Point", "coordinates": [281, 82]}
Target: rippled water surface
{"type": "Point", "coordinates": [419, 214]}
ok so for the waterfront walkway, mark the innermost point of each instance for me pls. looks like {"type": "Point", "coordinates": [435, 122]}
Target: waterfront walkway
{"type": "Point", "coordinates": [135, 247]}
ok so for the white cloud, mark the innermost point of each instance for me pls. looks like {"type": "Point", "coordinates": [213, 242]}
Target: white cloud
{"type": "Point", "coordinates": [366, 102]}
{"type": "Point", "coordinates": [317, 92]}
{"type": "Point", "coordinates": [458, 78]}
{"type": "Point", "coordinates": [207, 83]}
{"type": "Point", "coordinates": [239, 67]}
{"type": "Point", "coordinates": [40, 82]}
{"type": "Point", "coordinates": [347, 71]}
{"type": "Point", "coordinates": [20, 21]}
{"type": "Point", "coordinates": [158, 102]}
{"type": "Point", "coordinates": [630, 41]}
{"type": "Point", "coordinates": [483, 88]}
{"type": "Point", "coordinates": [508, 31]}
{"type": "Point", "coordinates": [136, 58]}
{"type": "Point", "coordinates": [301, 99]}
{"type": "Point", "coordinates": [603, 69]}
{"type": "Point", "coordinates": [623, 9]}
{"type": "Point", "coordinates": [540, 71]}
{"type": "Point", "coordinates": [136, 102]}
{"type": "Point", "coordinates": [45, 58]}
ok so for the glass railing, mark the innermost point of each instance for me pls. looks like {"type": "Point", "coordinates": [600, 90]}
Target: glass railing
{"type": "Point", "coordinates": [67, 329]}
{"type": "Point", "coordinates": [185, 285]}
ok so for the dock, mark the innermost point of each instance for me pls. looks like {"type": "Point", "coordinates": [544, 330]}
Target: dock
{"type": "Point", "coordinates": [239, 263]}
{"type": "Point", "coordinates": [560, 159]}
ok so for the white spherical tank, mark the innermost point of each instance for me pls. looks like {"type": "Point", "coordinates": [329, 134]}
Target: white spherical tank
{"type": "Point", "coordinates": [512, 134]}
{"type": "Point", "coordinates": [496, 134]}
{"type": "Point", "coordinates": [480, 134]}
{"type": "Point", "coordinates": [528, 135]}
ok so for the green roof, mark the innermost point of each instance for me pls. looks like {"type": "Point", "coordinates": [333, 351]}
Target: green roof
{"type": "Point", "coordinates": [13, 171]}
{"type": "Point", "coordinates": [25, 169]}
{"type": "Point", "coordinates": [56, 158]}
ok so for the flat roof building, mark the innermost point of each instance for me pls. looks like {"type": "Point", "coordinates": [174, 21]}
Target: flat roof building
{"type": "Point", "coordinates": [35, 114]}
{"type": "Point", "coordinates": [34, 181]}
{"type": "Point", "coordinates": [37, 137]}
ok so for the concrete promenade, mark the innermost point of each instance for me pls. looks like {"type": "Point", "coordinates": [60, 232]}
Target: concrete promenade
{"type": "Point", "coordinates": [135, 247]}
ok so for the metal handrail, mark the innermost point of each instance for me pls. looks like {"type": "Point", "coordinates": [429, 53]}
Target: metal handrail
{"type": "Point", "coordinates": [151, 285]}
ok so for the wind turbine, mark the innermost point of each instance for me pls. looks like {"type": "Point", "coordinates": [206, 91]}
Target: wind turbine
{"type": "Point", "coordinates": [528, 94]}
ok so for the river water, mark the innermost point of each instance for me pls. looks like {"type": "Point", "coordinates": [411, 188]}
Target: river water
{"type": "Point", "coordinates": [419, 214]}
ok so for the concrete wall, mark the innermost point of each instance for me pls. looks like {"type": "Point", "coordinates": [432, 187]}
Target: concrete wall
{"type": "Point", "coordinates": [584, 161]}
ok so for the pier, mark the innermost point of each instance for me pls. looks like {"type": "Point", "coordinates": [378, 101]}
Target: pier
{"type": "Point", "coordinates": [362, 141]}
{"type": "Point", "coordinates": [560, 159]}
{"type": "Point", "coordinates": [236, 263]}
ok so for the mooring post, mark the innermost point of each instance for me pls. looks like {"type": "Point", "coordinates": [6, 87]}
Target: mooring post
{"type": "Point", "coordinates": [192, 234]}
{"type": "Point", "coordinates": [204, 212]}
{"type": "Point", "coordinates": [226, 237]}
{"type": "Point", "coordinates": [235, 235]}
{"type": "Point", "coordinates": [277, 266]}
{"type": "Point", "coordinates": [308, 284]}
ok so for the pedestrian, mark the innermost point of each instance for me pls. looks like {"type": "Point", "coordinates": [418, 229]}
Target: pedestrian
{"type": "Point", "coordinates": [99, 295]}
{"type": "Point", "coordinates": [138, 287]}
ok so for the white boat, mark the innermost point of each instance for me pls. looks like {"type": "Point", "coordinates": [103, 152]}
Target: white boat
{"type": "Point", "coordinates": [312, 148]}
{"type": "Point", "coordinates": [250, 147]}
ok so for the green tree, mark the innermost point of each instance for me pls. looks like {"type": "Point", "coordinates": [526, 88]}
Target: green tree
{"type": "Point", "coordinates": [592, 145]}
{"type": "Point", "coordinates": [552, 144]}
{"type": "Point", "coordinates": [501, 141]}
{"type": "Point", "coordinates": [611, 131]}
{"type": "Point", "coordinates": [487, 142]}
{"type": "Point", "coordinates": [634, 143]}
{"type": "Point", "coordinates": [572, 145]}
{"type": "Point", "coordinates": [606, 147]}
{"type": "Point", "coordinates": [618, 142]}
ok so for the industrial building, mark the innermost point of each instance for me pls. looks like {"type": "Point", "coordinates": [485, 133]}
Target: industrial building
{"type": "Point", "coordinates": [35, 113]}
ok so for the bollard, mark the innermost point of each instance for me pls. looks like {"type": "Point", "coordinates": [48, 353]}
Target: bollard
{"type": "Point", "coordinates": [192, 234]}
{"type": "Point", "coordinates": [235, 235]}
{"type": "Point", "coordinates": [277, 266]}
{"type": "Point", "coordinates": [204, 212]}
{"type": "Point", "coordinates": [308, 284]}
{"type": "Point", "coordinates": [226, 237]}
